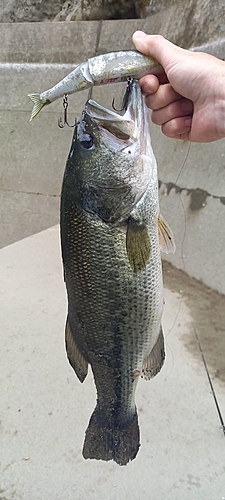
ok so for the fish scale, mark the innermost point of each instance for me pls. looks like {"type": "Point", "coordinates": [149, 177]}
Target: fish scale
{"type": "Point", "coordinates": [108, 298]}
{"type": "Point", "coordinates": [112, 270]}
{"type": "Point", "coordinates": [114, 298]}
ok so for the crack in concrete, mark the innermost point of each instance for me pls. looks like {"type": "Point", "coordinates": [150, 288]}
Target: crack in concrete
{"type": "Point", "coordinates": [31, 192]}
{"type": "Point", "coordinates": [98, 37]}
{"type": "Point", "coordinates": [198, 196]}
{"type": "Point", "coordinates": [210, 381]}
{"type": "Point", "coordinates": [96, 52]}
{"type": "Point", "coordinates": [29, 65]}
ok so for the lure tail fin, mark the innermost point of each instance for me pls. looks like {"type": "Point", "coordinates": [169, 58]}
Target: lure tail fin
{"type": "Point", "coordinates": [38, 105]}
{"type": "Point", "coordinates": [106, 441]}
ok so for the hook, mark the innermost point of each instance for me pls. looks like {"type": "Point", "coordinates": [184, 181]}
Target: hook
{"type": "Point", "coordinates": [113, 106]}
{"type": "Point", "coordinates": [125, 99]}
{"type": "Point", "coordinates": [61, 123]}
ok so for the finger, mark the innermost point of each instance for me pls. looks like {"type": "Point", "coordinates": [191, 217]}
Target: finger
{"type": "Point", "coordinates": [180, 108]}
{"type": "Point", "coordinates": [178, 128]}
{"type": "Point", "coordinates": [164, 96]}
{"type": "Point", "coordinates": [149, 84]}
{"type": "Point", "coordinates": [158, 47]}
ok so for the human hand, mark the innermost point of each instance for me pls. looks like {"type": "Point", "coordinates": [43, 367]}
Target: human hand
{"type": "Point", "coordinates": [188, 98]}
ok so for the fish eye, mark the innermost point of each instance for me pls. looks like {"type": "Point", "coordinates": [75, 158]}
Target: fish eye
{"type": "Point", "coordinates": [87, 141]}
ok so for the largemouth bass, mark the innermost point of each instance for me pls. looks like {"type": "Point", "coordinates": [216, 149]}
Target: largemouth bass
{"type": "Point", "coordinates": [111, 233]}
{"type": "Point", "coordinates": [99, 70]}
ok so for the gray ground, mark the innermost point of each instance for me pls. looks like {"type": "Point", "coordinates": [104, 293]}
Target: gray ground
{"type": "Point", "coordinates": [207, 309]}
{"type": "Point", "coordinates": [45, 410]}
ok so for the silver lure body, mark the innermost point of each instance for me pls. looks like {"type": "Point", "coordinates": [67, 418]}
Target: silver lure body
{"type": "Point", "coordinates": [106, 68]}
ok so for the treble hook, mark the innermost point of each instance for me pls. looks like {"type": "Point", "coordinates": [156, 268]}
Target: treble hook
{"type": "Point", "coordinates": [61, 123]}
{"type": "Point", "coordinates": [125, 99]}
{"type": "Point", "coordinates": [114, 107]}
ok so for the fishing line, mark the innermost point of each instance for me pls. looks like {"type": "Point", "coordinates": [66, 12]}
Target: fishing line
{"type": "Point", "coordinates": [182, 257]}
{"type": "Point", "coordinates": [184, 235]}
{"type": "Point", "coordinates": [181, 201]}
{"type": "Point", "coordinates": [210, 382]}
{"type": "Point", "coordinates": [195, 332]}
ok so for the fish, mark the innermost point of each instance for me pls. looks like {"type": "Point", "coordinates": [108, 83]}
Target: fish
{"type": "Point", "coordinates": [111, 235]}
{"type": "Point", "coordinates": [99, 70]}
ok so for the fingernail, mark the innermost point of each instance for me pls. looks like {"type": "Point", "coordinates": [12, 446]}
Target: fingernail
{"type": "Point", "coordinates": [138, 35]}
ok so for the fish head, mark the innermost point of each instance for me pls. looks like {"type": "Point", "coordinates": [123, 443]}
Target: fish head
{"type": "Point", "coordinates": [111, 158]}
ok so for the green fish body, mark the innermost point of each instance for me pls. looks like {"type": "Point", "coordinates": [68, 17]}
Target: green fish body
{"type": "Point", "coordinates": [112, 267]}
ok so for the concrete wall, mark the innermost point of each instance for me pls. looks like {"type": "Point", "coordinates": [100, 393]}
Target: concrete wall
{"type": "Point", "coordinates": [33, 57]}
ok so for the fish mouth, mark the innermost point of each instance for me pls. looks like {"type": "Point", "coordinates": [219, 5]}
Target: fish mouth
{"type": "Point", "coordinates": [128, 122]}
{"type": "Point", "coordinates": [117, 125]}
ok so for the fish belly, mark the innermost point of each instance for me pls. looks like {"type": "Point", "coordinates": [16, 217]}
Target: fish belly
{"type": "Point", "coordinates": [114, 317]}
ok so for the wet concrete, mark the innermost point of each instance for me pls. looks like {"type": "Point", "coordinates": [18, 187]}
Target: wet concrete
{"type": "Point", "coordinates": [207, 309]}
{"type": "Point", "coordinates": [45, 410]}
{"type": "Point", "coordinates": [198, 196]}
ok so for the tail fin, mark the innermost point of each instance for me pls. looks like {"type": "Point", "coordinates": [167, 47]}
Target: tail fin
{"type": "Point", "coordinates": [105, 441]}
{"type": "Point", "coordinates": [38, 105]}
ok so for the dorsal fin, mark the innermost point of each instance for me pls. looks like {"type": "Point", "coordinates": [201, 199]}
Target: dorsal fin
{"type": "Point", "coordinates": [166, 239]}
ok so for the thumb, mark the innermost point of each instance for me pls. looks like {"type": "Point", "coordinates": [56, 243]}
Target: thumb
{"type": "Point", "coordinates": [158, 47]}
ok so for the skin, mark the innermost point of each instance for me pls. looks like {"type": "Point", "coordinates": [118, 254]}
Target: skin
{"type": "Point", "coordinates": [187, 99]}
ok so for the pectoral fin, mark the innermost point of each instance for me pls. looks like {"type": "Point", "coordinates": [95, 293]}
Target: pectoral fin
{"type": "Point", "coordinates": [75, 357]}
{"type": "Point", "coordinates": [166, 239]}
{"type": "Point", "coordinates": [152, 364]}
{"type": "Point", "coordinates": [138, 244]}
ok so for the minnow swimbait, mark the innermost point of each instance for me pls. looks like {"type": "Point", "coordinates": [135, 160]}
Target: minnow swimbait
{"type": "Point", "coordinates": [106, 68]}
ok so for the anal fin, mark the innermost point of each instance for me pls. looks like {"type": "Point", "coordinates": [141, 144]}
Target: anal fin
{"type": "Point", "coordinates": [152, 364]}
{"type": "Point", "coordinates": [138, 244]}
{"type": "Point", "coordinates": [75, 357]}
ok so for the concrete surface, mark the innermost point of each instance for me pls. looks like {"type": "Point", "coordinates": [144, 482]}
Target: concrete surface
{"type": "Point", "coordinates": [35, 56]}
{"type": "Point", "coordinates": [61, 43]}
{"type": "Point", "coordinates": [45, 410]}
{"type": "Point", "coordinates": [33, 157]}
